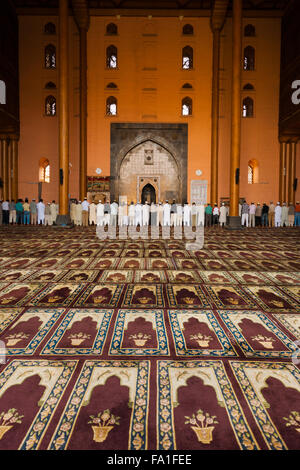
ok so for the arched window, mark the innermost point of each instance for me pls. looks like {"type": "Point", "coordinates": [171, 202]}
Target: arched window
{"type": "Point", "coordinates": [111, 57]}
{"type": "Point", "coordinates": [188, 29]}
{"type": "Point", "coordinates": [50, 106]}
{"type": "Point", "coordinates": [2, 92]}
{"type": "Point", "coordinates": [187, 57]}
{"type": "Point", "coordinates": [50, 85]}
{"type": "Point", "coordinates": [252, 171]}
{"type": "Point", "coordinates": [50, 56]}
{"type": "Point", "coordinates": [44, 170]}
{"type": "Point", "coordinates": [187, 85]}
{"type": "Point", "coordinates": [111, 106]}
{"type": "Point", "coordinates": [249, 58]}
{"type": "Point", "coordinates": [111, 29]}
{"type": "Point", "coordinates": [248, 107]}
{"type": "Point", "coordinates": [248, 86]}
{"type": "Point", "coordinates": [111, 85]}
{"type": "Point", "coordinates": [50, 28]}
{"type": "Point", "coordinates": [250, 174]}
{"type": "Point", "coordinates": [249, 30]}
{"type": "Point", "coordinates": [186, 106]}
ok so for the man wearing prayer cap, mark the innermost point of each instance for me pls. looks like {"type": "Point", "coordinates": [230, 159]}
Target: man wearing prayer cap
{"type": "Point", "coordinates": [278, 211]}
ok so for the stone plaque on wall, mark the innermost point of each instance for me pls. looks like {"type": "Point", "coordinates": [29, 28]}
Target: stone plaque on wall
{"type": "Point", "coordinates": [199, 191]}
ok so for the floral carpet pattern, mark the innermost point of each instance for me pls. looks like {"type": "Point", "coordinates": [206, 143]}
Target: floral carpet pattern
{"type": "Point", "coordinates": [143, 344]}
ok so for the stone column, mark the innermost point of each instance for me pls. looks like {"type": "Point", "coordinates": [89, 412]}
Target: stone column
{"type": "Point", "coordinates": [4, 152]}
{"type": "Point", "coordinates": [215, 118]}
{"type": "Point", "coordinates": [234, 219]}
{"type": "Point", "coordinates": [63, 217]}
{"type": "Point", "coordinates": [83, 114]}
{"type": "Point", "coordinates": [291, 171]}
{"type": "Point", "coordinates": [15, 174]}
{"type": "Point", "coordinates": [282, 171]}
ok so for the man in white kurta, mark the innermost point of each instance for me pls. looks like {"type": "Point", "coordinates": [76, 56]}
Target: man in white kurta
{"type": "Point", "coordinates": [92, 214]}
{"type": "Point", "coordinates": [223, 215]}
{"type": "Point", "coordinates": [100, 213]}
{"type": "Point", "coordinates": [200, 214]}
{"type": "Point", "coordinates": [146, 213]}
{"type": "Point", "coordinates": [167, 214]}
{"type": "Point", "coordinates": [160, 213]}
{"type": "Point", "coordinates": [284, 215]}
{"type": "Point", "coordinates": [278, 211]}
{"type": "Point", "coordinates": [54, 212]}
{"type": "Point", "coordinates": [153, 214]}
{"type": "Point", "coordinates": [131, 213]}
{"type": "Point", "coordinates": [113, 213]}
{"type": "Point", "coordinates": [138, 214]}
{"type": "Point", "coordinates": [179, 215]}
{"type": "Point", "coordinates": [40, 212]}
{"type": "Point", "coordinates": [187, 214]}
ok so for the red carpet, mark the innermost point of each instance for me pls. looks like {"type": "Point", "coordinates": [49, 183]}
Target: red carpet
{"type": "Point", "coordinates": [145, 345]}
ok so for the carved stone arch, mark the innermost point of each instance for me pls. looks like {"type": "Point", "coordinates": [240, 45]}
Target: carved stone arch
{"type": "Point", "coordinates": [164, 189]}
{"type": "Point", "coordinates": [172, 138]}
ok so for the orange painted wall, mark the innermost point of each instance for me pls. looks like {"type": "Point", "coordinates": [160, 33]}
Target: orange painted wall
{"type": "Point", "coordinates": [136, 37]}
{"type": "Point", "coordinates": [39, 133]}
{"type": "Point", "coordinates": [149, 57]}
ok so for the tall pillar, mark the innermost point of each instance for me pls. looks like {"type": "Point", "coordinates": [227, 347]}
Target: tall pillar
{"type": "Point", "coordinates": [292, 171]}
{"type": "Point", "coordinates": [83, 114]}
{"type": "Point", "coordinates": [4, 152]}
{"type": "Point", "coordinates": [9, 165]}
{"type": "Point", "coordinates": [234, 219]}
{"type": "Point", "coordinates": [63, 115]}
{"type": "Point", "coordinates": [15, 174]}
{"type": "Point", "coordinates": [282, 171]}
{"type": "Point", "coordinates": [215, 118]}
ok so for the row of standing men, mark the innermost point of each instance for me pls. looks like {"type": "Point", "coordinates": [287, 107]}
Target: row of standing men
{"type": "Point", "coordinates": [168, 214]}
{"type": "Point", "coordinates": [22, 212]}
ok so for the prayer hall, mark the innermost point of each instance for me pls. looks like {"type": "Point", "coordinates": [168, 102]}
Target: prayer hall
{"type": "Point", "coordinates": [149, 228]}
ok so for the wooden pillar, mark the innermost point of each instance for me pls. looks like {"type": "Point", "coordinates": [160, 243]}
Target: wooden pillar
{"type": "Point", "coordinates": [63, 113]}
{"type": "Point", "coordinates": [215, 118]}
{"type": "Point", "coordinates": [83, 114]}
{"type": "Point", "coordinates": [235, 111]}
{"type": "Point", "coordinates": [9, 167]}
{"type": "Point", "coordinates": [282, 171]}
{"type": "Point", "coordinates": [15, 174]}
{"type": "Point", "coordinates": [4, 152]}
{"type": "Point", "coordinates": [291, 171]}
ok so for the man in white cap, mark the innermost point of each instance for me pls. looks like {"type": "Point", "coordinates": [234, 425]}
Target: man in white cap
{"type": "Point", "coordinates": [85, 212]}
{"type": "Point", "coordinates": [40, 212]}
{"type": "Point", "coordinates": [187, 214]}
{"type": "Point", "coordinates": [92, 213]}
{"type": "Point", "coordinates": [54, 212]}
{"type": "Point", "coordinates": [167, 214]}
{"type": "Point", "coordinates": [146, 213]}
{"type": "Point", "coordinates": [131, 213]}
{"type": "Point", "coordinates": [114, 208]}
{"type": "Point", "coordinates": [100, 213]}
{"type": "Point", "coordinates": [278, 211]}
{"type": "Point", "coordinates": [160, 213]}
{"type": "Point", "coordinates": [138, 214]}
{"type": "Point", "coordinates": [223, 215]}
